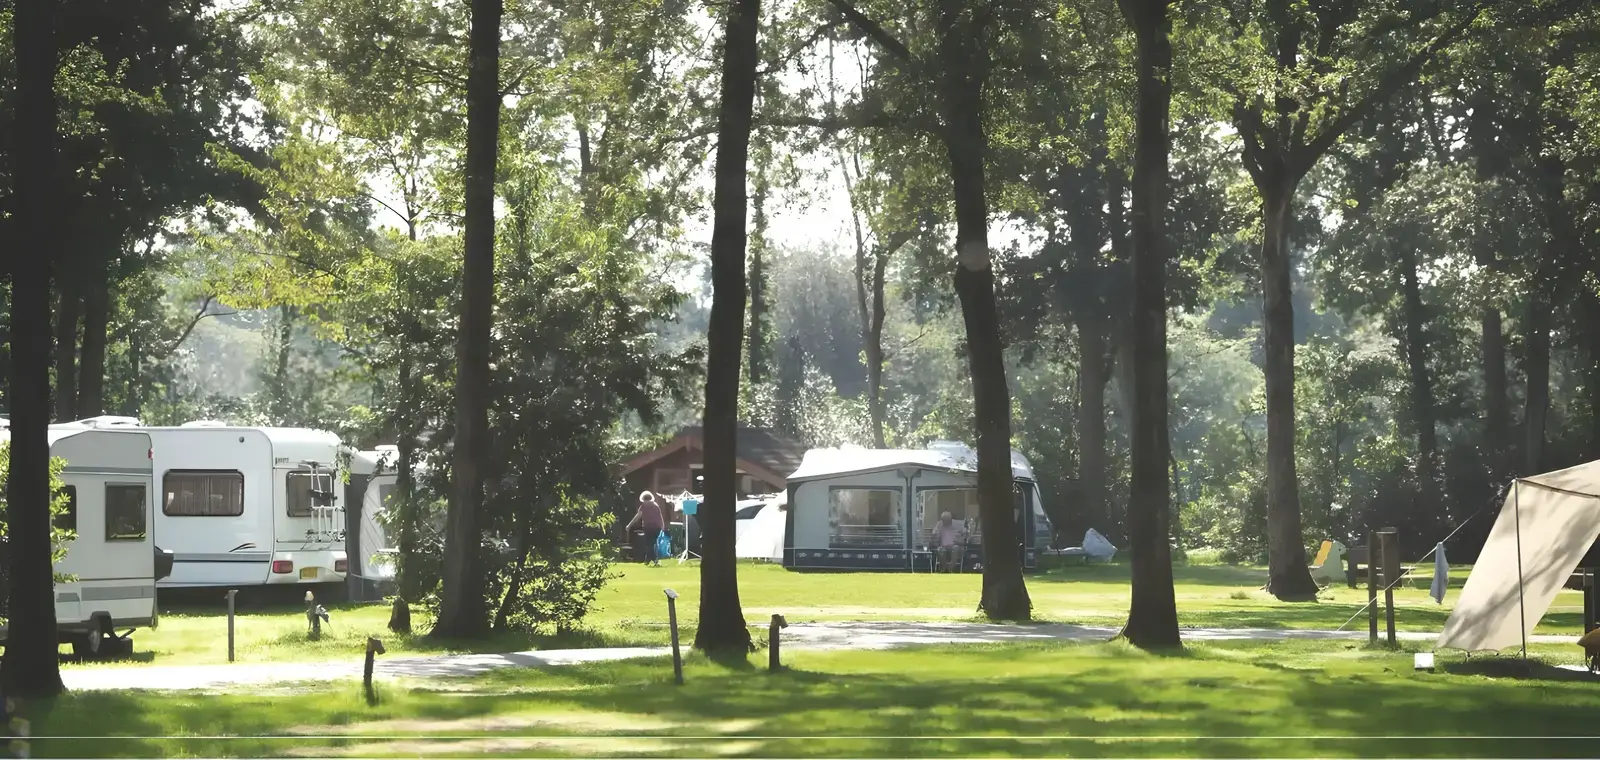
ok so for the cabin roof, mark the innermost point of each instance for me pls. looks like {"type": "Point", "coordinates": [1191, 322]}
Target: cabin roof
{"type": "Point", "coordinates": [828, 463]}
{"type": "Point", "coordinates": [767, 449]}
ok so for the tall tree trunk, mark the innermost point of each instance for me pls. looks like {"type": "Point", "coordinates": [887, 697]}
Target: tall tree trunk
{"type": "Point", "coordinates": [964, 61]}
{"type": "Point", "coordinates": [69, 312]}
{"type": "Point", "coordinates": [1153, 614]}
{"type": "Point", "coordinates": [874, 351]}
{"type": "Point", "coordinates": [722, 627]}
{"type": "Point", "coordinates": [96, 320]}
{"type": "Point", "coordinates": [134, 391]}
{"type": "Point", "coordinates": [1288, 577]}
{"type": "Point", "coordinates": [1542, 296]}
{"type": "Point", "coordinates": [1093, 375]}
{"type": "Point", "coordinates": [282, 404]}
{"type": "Point", "coordinates": [29, 667]}
{"type": "Point", "coordinates": [1592, 304]}
{"type": "Point", "coordinates": [463, 610]}
{"type": "Point", "coordinates": [1421, 383]}
{"type": "Point", "coordinates": [1497, 404]}
{"type": "Point", "coordinates": [405, 487]}
{"type": "Point", "coordinates": [1537, 369]}
{"type": "Point", "coordinates": [760, 310]}
{"type": "Point", "coordinates": [870, 269]}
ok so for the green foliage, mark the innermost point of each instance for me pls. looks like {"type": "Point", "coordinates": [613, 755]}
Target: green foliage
{"type": "Point", "coordinates": [59, 537]}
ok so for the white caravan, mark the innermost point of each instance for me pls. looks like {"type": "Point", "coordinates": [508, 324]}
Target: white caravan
{"type": "Point", "coordinates": [244, 506]}
{"type": "Point", "coordinates": [372, 480]}
{"type": "Point", "coordinates": [112, 562]}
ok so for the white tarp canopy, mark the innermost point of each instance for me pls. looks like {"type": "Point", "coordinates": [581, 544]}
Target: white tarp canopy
{"type": "Point", "coordinates": [1547, 524]}
{"type": "Point", "coordinates": [763, 538]}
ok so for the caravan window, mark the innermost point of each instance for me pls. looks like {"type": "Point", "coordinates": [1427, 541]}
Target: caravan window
{"type": "Point", "coordinates": [68, 518]}
{"type": "Point", "coordinates": [865, 518]}
{"type": "Point", "coordinates": [297, 490]}
{"type": "Point", "coordinates": [202, 494]}
{"type": "Point", "coordinates": [125, 520]}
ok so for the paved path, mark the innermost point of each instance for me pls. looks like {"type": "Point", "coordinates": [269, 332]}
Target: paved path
{"type": "Point", "coordinates": [816, 636]}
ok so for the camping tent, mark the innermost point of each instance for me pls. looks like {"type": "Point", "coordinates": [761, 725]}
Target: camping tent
{"type": "Point", "coordinates": [763, 537]}
{"type": "Point", "coordinates": [1546, 525]}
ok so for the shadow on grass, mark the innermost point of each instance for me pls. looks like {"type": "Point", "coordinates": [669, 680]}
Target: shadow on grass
{"type": "Point", "coordinates": [1099, 700]}
{"type": "Point", "coordinates": [1517, 669]}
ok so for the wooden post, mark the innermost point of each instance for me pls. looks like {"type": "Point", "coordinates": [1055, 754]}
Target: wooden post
{"type": "Point", "coordinates": [231, 594]}
{"type": "Point", "coordinates": [1390, 538]}
{"type": "Point", "coordinates": [672, 620]}
{"type": "Point", "coordinates": [1372, 587]}
{"type": "Point", "coordinates": [774, 636]}
{"type": "Point", "coordinates": [374, 647]}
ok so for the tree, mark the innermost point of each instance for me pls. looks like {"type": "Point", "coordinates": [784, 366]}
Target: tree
{"type": "Point", "coordinates": [1307, 100]}
{"type": "Point", "coordinates": [722, 627]}
{"type": "Point", "coordinates": [1153, 616]}
{"type": "Point", "coordinates": [462, 612]}
{"type": "Point", "coordinates": [958, 60]}
{"type": "Point", "coordinates": [29, 666]}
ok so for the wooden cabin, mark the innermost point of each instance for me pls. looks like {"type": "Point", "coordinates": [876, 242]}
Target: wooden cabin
{"type": "Point", "coordinates": [765, 459]}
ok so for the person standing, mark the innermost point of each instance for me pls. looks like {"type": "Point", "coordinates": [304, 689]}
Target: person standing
{"type": "Point", "coordinates": [651, 522]}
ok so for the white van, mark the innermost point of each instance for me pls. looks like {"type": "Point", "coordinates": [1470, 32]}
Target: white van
{"type": "Point", "coordinates": [113, 562]}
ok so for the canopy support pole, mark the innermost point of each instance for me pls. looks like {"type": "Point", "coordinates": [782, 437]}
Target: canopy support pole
{"type": "Point", "coordinates": [1522, 611]}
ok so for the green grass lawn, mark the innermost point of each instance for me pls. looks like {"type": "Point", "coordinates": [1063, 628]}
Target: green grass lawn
{"type": "Point", "coordinates": [1230, 699]}
{"type": "Point", "coordinates": [632, 610]}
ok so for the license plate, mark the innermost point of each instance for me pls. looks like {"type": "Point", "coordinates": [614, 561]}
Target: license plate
{"type": "Point", "coordinates": [308, 572]}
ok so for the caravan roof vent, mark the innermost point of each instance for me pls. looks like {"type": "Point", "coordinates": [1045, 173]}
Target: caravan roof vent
{"type": "Point", "coordinates": [204, 423]}
{"type": "Point", "coordinates": [947, 446]}
{"type": "Point", "coordinates": [386, 447]}
{"type": "Point", "coordinates": [109, 420]}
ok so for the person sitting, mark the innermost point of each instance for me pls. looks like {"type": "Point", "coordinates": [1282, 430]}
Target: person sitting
{"type": "Point", "coordinates": [944, 537]}
{"type": "Point", "coordinates": [651, 522]}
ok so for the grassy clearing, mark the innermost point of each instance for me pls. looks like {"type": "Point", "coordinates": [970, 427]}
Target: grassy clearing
{"type": "Point", "coordinates": [632, 610]}
{"type": "Point", "coordinates": [1230, 699]}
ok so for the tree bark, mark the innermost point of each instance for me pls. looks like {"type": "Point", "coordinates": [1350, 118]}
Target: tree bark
{"type": "Point", "coordinates": [1288, 577]}
{"type": "Point", "coordinates": [760, 352]}
{"type": "Point", "coordinates": [1153, 614]}
{"type": "Point", "coordinates": [96, 320]}
{"type": "Point", "coordinates": [964, 61]}
{"type": "Point", "coordinates": [1093, 375]}
{"type": "Point", "coordinates": [405, 489]}
{"type": "Point", "coordinates": [1497, 405]}
{"type": "Point", "coordinates": [722, 628]}
{"type": "Point", "coordinates": [874, 350]}
{"type": "Point", "coordinates": [282, 406]}
{"type": "Point", "coordinates": [69, 312]}
{"type": "Point", "coordinates": [463, 610]}
{"type": "Point", "coordinates": [29, 668]}
{"type": "Point", "coordinates": [1421, 383]}
{"type": "Point", "coordinates": [1537, 369]}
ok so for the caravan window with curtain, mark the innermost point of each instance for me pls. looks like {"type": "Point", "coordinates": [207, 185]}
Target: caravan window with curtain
{"type": "Point", "coordinates": [196, 493]}
{"type": "Point", "coordinates": [865, 518]}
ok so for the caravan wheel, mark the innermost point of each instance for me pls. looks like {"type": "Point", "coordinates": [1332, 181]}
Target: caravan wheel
{"type": "Point", "coordinates": [88, 646]}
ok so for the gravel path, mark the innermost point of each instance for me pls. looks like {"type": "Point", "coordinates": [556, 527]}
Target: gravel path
{"type": "Point", "coordinates": [815, 636]}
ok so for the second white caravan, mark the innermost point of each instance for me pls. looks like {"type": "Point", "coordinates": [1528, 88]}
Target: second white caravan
{"type": "Point", "coordinates": [245, 506]}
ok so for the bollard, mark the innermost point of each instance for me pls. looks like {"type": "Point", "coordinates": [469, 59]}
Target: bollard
{"type": "Point", "coordinates": [231, 594]}
{"type": "Point", "coordinates": [315, 616]}
{"type": "Point", "coordinates": [672, 620]}
{"type": "Point", "coordinates": [1372, 587]}
{"type": "Point", "coordinates": [374, 647]}
{"type": "Point", "coordinates": [774, 635]}
{"type": "Point", "coordinates": [1391, 576]}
